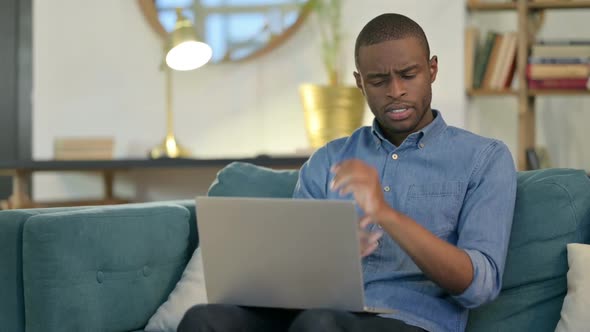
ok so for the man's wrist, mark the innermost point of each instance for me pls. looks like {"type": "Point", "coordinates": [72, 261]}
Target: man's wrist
{"type": "Point", "coordinates": [385, 214]}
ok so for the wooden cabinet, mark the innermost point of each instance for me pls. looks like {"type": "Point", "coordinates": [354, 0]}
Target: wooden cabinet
{"type": "Point", "coordinates": [526, 11]}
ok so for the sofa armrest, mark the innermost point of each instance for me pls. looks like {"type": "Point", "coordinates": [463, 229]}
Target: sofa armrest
{"type": "Point", "coordinates": [103, 269]}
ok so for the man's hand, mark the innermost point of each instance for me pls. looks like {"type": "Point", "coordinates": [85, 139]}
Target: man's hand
{"type": "Point", "coordinates": [356, 177]}
{"type": "Point", "coordinates": [362, 180]}
{"type": "Point", "coordinates": [369, 240]}
{"type": "Point", "coordinates": [444, 263]}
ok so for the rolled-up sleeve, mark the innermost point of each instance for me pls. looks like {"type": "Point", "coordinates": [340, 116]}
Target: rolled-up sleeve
{"type": "Point", "coordinates": [485, 222]}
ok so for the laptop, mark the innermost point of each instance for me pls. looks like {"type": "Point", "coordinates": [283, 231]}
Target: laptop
{"type": "Point", "coordinates": [281, 253]}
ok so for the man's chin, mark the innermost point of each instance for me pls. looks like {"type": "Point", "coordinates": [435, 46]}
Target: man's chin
{"type": "Point", "coordinates": [400, 127]}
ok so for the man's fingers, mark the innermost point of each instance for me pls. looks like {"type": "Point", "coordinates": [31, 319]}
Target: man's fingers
{"type": "Point", "coordinates": [348, 189]}
{"type": "Point", "coordinates": [344, 173]}
{"type": "Point", "coordinates": [369, 241]}
{"type": "Point", "coordinates": [374, 237]}
{"type": "Point", "coordinates": [369, 249]}
{"type": "Point", "coordinates": [365, 221]}
{"type": "Point", "coordinates": [340, 180]}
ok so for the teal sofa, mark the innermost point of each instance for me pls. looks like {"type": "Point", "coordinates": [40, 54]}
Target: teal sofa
{"type": "Point", "coordinates": [109, 268]}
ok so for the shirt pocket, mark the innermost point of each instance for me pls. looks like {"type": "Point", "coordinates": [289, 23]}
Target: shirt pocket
{"type": "Point", "coordinates": [435, 205]}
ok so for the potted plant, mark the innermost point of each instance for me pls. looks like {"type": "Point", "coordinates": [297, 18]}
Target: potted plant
{"type": "Point", "coordinates": [332, 110]}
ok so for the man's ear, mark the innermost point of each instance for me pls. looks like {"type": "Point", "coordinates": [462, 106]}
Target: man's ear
{"type": "Point", "coordinates": [359, 81]}
{"type": "Point", "coordinates": [433, 68]}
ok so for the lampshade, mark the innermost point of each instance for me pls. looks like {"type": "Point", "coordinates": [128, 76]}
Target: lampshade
{"type": "Point", "coordinates": [186, 52]}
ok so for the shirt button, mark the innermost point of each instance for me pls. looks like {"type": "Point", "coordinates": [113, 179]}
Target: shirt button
{"type": "Point", "coordinates": [386, 188]}
{"type": "Point", "coordinates": [421, 145]}
{"type": "Point", "coordinates": [394, 156]}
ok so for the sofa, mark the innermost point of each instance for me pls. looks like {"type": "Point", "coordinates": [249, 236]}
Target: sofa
{"type": "Point", "coordinates": [109, 268]}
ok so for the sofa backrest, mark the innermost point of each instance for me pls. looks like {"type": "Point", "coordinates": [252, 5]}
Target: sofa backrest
{"type": "Point", "coordinates": [43, 252]}
{"type": "Point", "coordinates": [12, 310]}
{"type": "Point", "coordinates": [552, 209]}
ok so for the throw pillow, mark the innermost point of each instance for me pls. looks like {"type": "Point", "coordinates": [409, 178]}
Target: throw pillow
{"type": "Point", "coordinates": [189, 291]}
{"type": "Point", "coordinates": [240, 179]}
{"type": "Point", "coordinates": [574, 313]}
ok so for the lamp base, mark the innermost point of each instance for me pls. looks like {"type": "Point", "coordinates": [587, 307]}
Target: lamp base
{"type": "Point", "coordinates": [169, 148]}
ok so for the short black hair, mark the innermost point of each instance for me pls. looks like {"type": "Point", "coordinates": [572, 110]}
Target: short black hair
{"type": "Point", "coordinates": [387, 27]}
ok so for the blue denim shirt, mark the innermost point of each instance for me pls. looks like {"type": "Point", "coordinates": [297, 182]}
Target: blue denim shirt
{"type": "Point", "coordinates": [458, 185]}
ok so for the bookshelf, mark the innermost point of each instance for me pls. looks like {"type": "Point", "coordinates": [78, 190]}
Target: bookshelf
{"type": "Point", "coordinates": [525, 12]}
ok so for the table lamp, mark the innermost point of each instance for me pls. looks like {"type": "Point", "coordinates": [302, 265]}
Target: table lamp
{"type": "Point", "coordinates": [184, 53]}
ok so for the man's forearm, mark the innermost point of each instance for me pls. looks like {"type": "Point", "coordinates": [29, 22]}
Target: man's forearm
{"type": "Point", "coordinates": [442, 262]}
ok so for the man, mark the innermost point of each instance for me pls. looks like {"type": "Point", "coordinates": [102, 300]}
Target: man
{"type": "Point", "coordinates": [436, 201]}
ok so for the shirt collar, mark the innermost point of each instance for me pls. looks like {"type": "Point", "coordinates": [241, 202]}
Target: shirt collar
{"type": "Point", "coordinates": [423, 137]}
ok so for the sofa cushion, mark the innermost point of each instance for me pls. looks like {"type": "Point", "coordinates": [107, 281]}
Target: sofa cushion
{"type": "Point", "coordinates": [77, 265]}
{"type": "Point", "coordinates": [247, 180]}
{"type": "Point", "coordinates": [552, 209]}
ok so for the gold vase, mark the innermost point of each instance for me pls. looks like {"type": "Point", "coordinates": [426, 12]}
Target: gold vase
{"type": "Point", "coordinates": [331, 111]}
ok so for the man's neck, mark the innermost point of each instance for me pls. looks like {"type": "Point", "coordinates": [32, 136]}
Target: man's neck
{"type": "Point", "coordinates": [398, 138]}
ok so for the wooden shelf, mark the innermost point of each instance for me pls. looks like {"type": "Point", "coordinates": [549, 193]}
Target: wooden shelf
{"type": "Point", "coordinates": [533, 92]}
{"type": "Point", "coordinates": [560, 4]}
{"type": "Point", "coordinates": [492, 6]}
{"type": "Point", "coordinates": [490, 92]}
{"type": "Point", "coordinates": [555, 92]}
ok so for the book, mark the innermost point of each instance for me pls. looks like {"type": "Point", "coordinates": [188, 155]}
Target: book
{"type": "Point", "coordinates": [541, 71]}
{"type": "Point", "coordinates": [565, 84]}
{"type": "Point", "coordinates": [83, 155]}
{"type": "Point", "coordinates": [483, 56]}
{"type": "Point", "coordinates": [500, 63]}
{"type": "Point", "coordinates": [511, 69]}
{"type": "Point", "coordinates": [73, 143]}
{"type": "Point", "coordinates": [560, 51]}
{"type": "Point", "coordinates": [505, 71]}
{"type": "Point", "coordinates": [493, 62]}
{"type": "Point", "coordinates": [564, 61]}
{"type": "Point", "coordinates": [563, 41]}
{"type": "Point", "coordinates": [471, 40]}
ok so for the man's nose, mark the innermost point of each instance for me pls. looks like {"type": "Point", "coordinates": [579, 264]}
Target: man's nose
{"type": "Point", "coordinates": [397, 88]}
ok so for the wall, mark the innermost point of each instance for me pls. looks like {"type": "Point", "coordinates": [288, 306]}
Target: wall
{"type": "Point", "coordinates": [8, 42]}
{"type": "Point", "coordinates": [96, 73]}
{"type": "Point", "coordinates": [15, 84]}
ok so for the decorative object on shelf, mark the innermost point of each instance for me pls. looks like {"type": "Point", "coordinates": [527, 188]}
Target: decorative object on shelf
{"type": "Point", "coordinates": [83, 148]}
{"type": "Point", "coordinates": [184, 52]}
{"type": "Point", "coordinates": [334, 110]}
{"type": "Point", "coordinates": [236, 30]}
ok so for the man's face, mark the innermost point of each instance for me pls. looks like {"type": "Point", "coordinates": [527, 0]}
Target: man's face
{"type": "Point", "coordinates": [395, 77]}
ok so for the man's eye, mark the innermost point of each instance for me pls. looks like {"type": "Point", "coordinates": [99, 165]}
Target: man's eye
{"type": "Point", "coordinates": [408, 77]}
{"type": "Point", "coordinates": [377, 83]}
